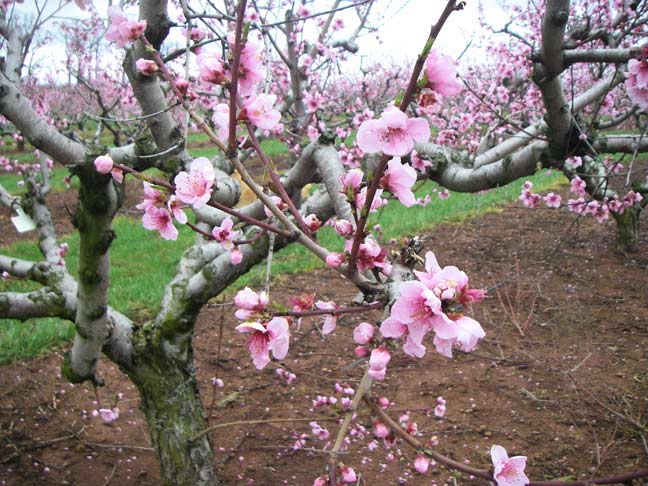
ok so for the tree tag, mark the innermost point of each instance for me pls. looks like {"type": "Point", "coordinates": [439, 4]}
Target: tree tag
{"type": "Point", "coordinates": [22, 221]}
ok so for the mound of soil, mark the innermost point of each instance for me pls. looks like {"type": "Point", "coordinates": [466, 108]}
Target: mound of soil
{"type": "Point", "coordinates": [560, 377]}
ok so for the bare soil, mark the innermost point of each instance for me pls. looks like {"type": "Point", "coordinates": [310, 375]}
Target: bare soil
{"type": "Point", "coordinates": [560, 377]}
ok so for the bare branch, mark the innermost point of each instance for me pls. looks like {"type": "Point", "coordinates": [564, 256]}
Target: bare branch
{"type": "Point", "coordinates": [45, 302]}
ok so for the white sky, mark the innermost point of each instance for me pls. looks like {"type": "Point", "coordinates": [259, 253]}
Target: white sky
{"type": "Point", "coordinates": [403, 33]}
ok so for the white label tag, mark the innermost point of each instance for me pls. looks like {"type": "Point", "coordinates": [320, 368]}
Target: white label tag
{"type": "Point", "coordinates": [23, 222]}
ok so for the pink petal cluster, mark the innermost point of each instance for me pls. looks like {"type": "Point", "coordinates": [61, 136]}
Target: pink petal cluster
{"type": "Point", "coordinates": [260, 111]}
{"type": "Point", "coordinates": [441, 74]}
{"type": "Point", "coordinates": [421, 463]}
{"type": "Point", "coordinates": [158, 212]}
{"type": "Point", "coordinates": [392, 134]}
{"type": "Point", "coordinates": [211, 68]}
{"type": "Point", "coordinates": [146, 67]}
{"type": "Point", "coordinates": [195, 187]}
{"type": "Point", "coordinates": [225, 236]}
{"type": "Point", "coordinates": [399, 179]}
{"type": "Point", "coordinates": [378, 363]}
{"type": "Point", "coordinates": [250, 304]}
{"type": "Point", "coordinates": [637, 82]}
{"type": "Point", "coordinates": [529, 199]}
{"type": "Point", "coordinates": [159, 219]}
{"type": "Point", "coordinates": [121, 30]}
{"type": "Point", "coordinates": [250, 66]}
{"type": "Point", "coordinates": [363, 333]}
{"type": "Point", "coordinates": [221, 121]}
{"type": "Point", "coordinates": [552, 200]}
{"type": "Point", "coordinates": [108, 416]}
{"type": "Point", "coordinates": [263, 338]}
{"type": "Point", "coordinates": [508, 471]}
{"type": "Point", "coordinates": [426, 305]}
{"type": "Point", "coordinates": [330, 321]}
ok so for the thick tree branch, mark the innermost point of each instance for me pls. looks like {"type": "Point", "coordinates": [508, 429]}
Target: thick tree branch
{"type": "Point", "coordinates": [448, 167]}
{"type": "Point", "coordinates": [600, 55]}
{"type": "Point", "coordinates": [626, 144]}
{"type": "Point", "coordinates": [18, 110]}
{"type": "Point", "coordinates": [45, 302]}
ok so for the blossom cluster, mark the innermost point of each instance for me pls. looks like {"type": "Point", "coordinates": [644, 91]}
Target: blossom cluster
{"type": "Point", "coordinates": [265, 334]}
{"type": "Point", "coordinates": [637, 82]}
{"type": "Point", "coordinates": [599, 210]}
{"type": "Point", "coordinates": [433, 302]}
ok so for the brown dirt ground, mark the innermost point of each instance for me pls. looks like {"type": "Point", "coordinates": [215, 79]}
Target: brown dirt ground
{"type": "Point", "coordinates": [569, 388]}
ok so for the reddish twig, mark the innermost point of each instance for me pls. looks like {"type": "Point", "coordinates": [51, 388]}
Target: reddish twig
{"type": "Point", "coordinates": [481, 473]}
{"type": "Point", "coordinates": [408, 96]}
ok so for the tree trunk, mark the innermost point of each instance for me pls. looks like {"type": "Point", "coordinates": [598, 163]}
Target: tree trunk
{"type": "Point", "coordinates": [171, 403]}
{"type": "Point", "coordinates": [627, 229]}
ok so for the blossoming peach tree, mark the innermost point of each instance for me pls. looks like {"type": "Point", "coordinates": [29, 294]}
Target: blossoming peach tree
{"type": "Point", "coordinates": [222, 82]}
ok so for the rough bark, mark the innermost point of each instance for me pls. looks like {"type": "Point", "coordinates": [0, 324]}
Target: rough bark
{"type": "Point", "coordinates": [627, 230]}
{"type": "Point", "coordinates": [171, 403]}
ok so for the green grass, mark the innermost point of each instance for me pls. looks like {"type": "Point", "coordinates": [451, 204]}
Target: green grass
{"type": "Point", "coordinates": [141, 263]}
{"type": "Point", "coordinates": [138, 281]}
{"type": "Point", "coordinates": [396, 220]}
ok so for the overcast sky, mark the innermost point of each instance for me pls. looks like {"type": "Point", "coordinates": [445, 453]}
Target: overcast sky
{"type": "Point", "coordinates": [403, 31]}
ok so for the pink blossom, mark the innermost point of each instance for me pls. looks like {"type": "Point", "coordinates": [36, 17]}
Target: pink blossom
{"type": "Point", "coordinates": [274, 336]}
{"type": "Point", "coordinates": [351, 181]}
{"type": "Point", "coordinates": [360, 351]}
{"type": "Point", "coordinates": [552, 200]}
{"type": "Point", "coordinates": [441, 74]}
{"type": "Point", "coordinates": [399, 179]}
{"type": "Point", "coordinates": [439, 410]}
{"type": "Point", "coordinates": [334, 260]}
{"type": "Point", "coordinates": [5, 275]}
{"type": "Point", "coordinates": [380, 430]}
{"type": "Point", "coordinates": [249, 303]}
{"type": "Point", "coordinates": [152, 197]}
{"type": "Point", "coordinates": [370, 255]}
{"type": "Point", "coordinates": [421, 463]}
{"type": "Point", "coordinates": [576, 205]}
{"type": "Point", "coordinates": [378, 363]}
{"type": "Point", "coordinates": [393, 133]}
{"type": "Point", "coordinates": [330, 321]}
{"type": "Point", "coordinates": [211, 69]}
{"type": "Point", "coordinates": [174, 207]}
{"type": "Point", "coordinates": [343, 227]}
{"type": "Point", "coordinates": [250, 67]}
{"type": "Point", "coordinates": [508, 471]}
{"type": "Point", "coordinates": [281, 205]}
{"type": "Point", "coordinates": [108, 416]}
{"type": "Point", "coordinates": [318, 431]}
{"type": "Point", "coordinates": [224, 234]}
{"type": "Point", "coordinates": [259, 110]}
{"type": "Point", "coordinates": [312, 222]}
{"type": "Point", "coordinates": [637, 82]}
{"type": "Point", "coordinates": [217, 382]}
{"type": "Point", "coordinates": [529, 199]}
{"type": "Point", "coordinates": [121, 30]}
{"type": "Point", "coordinates": [236, 256]}
{"type": "Point", "coordinates": [195, 187]}
{"type": "Point", "coordinates": [146, 67]}
{"type": "Point", "coordinates": [103, 164]}
{"type": "Point", "coordinates": [221, 120]}
{"type": "Point", "coordinates": [159, 219]}
{"type": "Point", "coordinates": [573, 162]}
{"type": "Point", "coordinates": [348, 474]}
{"type": "Point", "coordinates": [321, 481]}
{"type": "Point", "coordinates": [577, 186]}
{"type": "Point", "coordinates": [363, 333]}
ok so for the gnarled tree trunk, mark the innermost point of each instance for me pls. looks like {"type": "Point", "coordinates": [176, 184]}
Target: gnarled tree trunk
{"type": "Point", "coordinates": [174, 412]}
{"type": "Point", "coordinates": [627, 229]}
